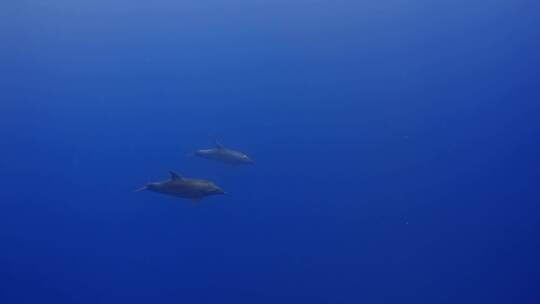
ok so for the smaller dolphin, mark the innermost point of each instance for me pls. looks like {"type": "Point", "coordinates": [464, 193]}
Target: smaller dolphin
{"type": "Point", "coordinates": [178, 186]}
{"type": "Point", "coordinates": [224, 155]}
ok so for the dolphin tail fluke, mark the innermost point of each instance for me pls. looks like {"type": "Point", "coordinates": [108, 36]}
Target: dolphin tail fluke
{"type": "Point", "coordinates": [140, 189]}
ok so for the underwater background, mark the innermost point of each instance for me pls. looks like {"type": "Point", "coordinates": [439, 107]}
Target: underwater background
{"type": "Point", "coordinates": [396, 145]}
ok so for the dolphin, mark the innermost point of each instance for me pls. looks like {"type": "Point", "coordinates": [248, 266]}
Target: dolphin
{"type": "Point", "coordinates": [183, 187]}
{"type": "Point", "coordinates": [225, 155]}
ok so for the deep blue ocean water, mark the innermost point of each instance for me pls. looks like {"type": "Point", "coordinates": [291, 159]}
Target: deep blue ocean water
{"type": "Point", "coordinates": [396, 145]}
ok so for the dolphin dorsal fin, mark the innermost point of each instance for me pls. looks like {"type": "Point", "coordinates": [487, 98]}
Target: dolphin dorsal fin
{"type": "Point", "coordinates": [219, 145]}
{"type": "Point", "coordinates": [174, 175]}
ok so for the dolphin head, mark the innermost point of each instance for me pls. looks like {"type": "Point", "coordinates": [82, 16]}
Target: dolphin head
{"type": "Point", "coordinates": [153, 186]}
{"type": "Point", "coordinates": [246, 160]}
{"type": "Point", "coordinates": [150, 187]}
{"type": "Point", "coordinates": [212, 189]}
{"type": "Point", "coordinates": [202, 153]}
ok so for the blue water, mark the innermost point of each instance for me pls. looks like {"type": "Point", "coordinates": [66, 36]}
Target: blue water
{"type": "Point", "coordinates": [396, 145]}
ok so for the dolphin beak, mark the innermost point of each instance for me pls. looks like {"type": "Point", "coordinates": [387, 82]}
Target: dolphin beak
{"type": "Point", "coordinates": [140, 189]}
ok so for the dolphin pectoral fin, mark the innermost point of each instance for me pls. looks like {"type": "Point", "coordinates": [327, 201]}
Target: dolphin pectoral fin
{"type": "Point", "coordinates": [174, 175]}
{"type": "Point", "coordinates": [140, 189]}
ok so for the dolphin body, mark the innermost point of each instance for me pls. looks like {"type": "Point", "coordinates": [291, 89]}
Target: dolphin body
{"type": "Point", "coordinates": [225, 155]}
{"type": "Point", "coordinates": [178, 186]}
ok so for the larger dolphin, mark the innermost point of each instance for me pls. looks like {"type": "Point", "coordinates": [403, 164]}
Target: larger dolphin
{"type": "Point", "coordinates": [225, 155]}
{"type": "Point", "coordinates": [183, 187]}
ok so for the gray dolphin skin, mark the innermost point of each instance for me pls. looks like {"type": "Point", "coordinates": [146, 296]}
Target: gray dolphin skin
{"type": "Point", "coordinates": [225, 155]}
{"type": "Point", "coordinates": [178, 186]}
